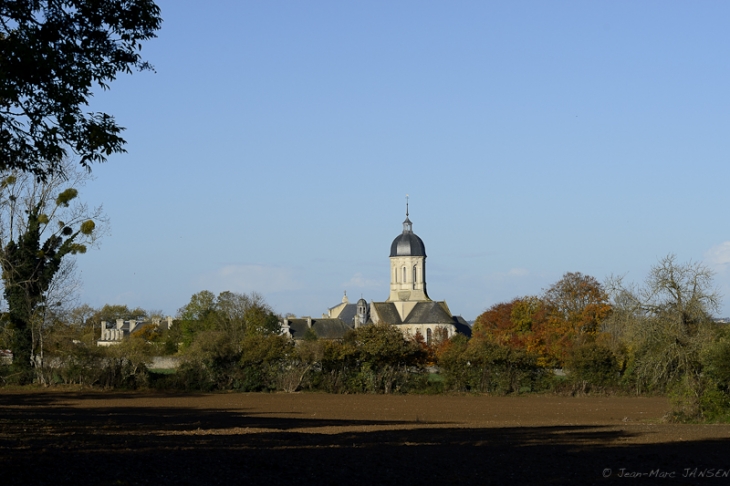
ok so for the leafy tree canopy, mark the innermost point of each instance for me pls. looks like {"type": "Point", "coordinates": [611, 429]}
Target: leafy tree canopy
{"type": "Point", "coordinates": [54, 52]}
{"type": "Point", "coordinates": [578, 302]}
{"type": "Point", "coordinates": [236, 315]}
{"type": "Point", "coordinates": [112, 312]}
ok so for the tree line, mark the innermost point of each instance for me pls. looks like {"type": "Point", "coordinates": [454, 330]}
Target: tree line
{"type": "Point", "coordinates": [579, 336]}
{"type": "Point", "coordinates": [659, 336]}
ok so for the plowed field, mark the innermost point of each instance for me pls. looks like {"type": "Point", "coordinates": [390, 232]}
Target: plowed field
{"type": "Point", "coordinates": [60, 438]}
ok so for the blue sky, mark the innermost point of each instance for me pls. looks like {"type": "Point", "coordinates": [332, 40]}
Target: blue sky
{"type": "Point", "coordinates": [273, 148]}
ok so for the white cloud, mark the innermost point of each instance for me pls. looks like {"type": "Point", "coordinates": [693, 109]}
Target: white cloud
{"type": "Point", "coordinates": [358, 281]}
{"type": "Point", "coordinates": [250, 278]}
{"type": "Point", "coordinates": [718, 257]}
{"type": "Point", "coordinates": [518, 272]}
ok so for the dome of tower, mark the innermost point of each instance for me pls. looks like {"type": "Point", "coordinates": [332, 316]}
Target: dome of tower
{"type": "Point", "coordinates": [407, 243]}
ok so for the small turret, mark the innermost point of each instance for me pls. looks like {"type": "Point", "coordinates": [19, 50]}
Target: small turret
{"type": "Point", "coordinates": [362, 315]}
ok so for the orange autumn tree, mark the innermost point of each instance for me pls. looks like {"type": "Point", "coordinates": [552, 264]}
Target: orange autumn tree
{"type": "Point", "coordinates": [494, 324]}
{"type": "Point", "coordinates": [569, 313]}
{"type": "Point", "coordinates": [510, 323]}
{"type": "Point", "coordinates": [576, 306]}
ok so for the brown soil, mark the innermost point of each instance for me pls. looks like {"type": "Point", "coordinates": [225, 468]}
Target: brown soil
{"type": "Point", "coordinates": [49, 437]}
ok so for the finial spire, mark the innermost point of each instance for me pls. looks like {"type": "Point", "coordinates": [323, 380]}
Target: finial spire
{"type": "Point", "coordinates": [407, 225]}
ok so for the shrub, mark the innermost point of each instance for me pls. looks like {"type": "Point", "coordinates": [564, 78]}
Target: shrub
{"type": "Point", "coordinates": [481, 365]}
{"type": "Point", "coordinates": [592, 365]}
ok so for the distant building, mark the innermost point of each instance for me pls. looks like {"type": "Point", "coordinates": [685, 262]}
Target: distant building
{"type": "Point", "coordinates": [114, 333]}
{"type": "Point", "coordinates": [408, 306]}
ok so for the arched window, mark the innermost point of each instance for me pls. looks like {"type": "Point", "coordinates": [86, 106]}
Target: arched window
{"type": "Point", "coordinates": [428, 336]}
{"type": "Point", "coordinates": [414, 277]}
{"type": "Point", "coordinates": [404, 275]}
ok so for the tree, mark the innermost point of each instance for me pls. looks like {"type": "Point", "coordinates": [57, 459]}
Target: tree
{"type": "Point", "coordinates": [235, 314]}
{"type": "Point", "coordinates": [494, 323]}
{"type": "Point", "coordinates": [80, 315]}
{"type": "Point", "coordinates": [384, 356]}
{"type": "Point", "coordinates": [579, 301]}
{"type": "Point", "coordinates": [112, 312]}
{"type": "Point", "coordinates": [41, 225]}
{"type": "Point", "coordinates": [484, 365]}
{"type": "Point", "coordinates": [575, 307]}
{"type": "Point", "coordinates": [715, 401]}
{"type": "Point", "coordinates": [592, 364]}
{"type": "Point", "coordinates": [511, 323]}
{"type": "Point", "coordinates": [53, 54]}
{"type": "Point", "coordinates": [569, 313]}
{"type": "Point", "coordinates": [196, 316]}
{"type": "Point", "coordinates": [666, 323]}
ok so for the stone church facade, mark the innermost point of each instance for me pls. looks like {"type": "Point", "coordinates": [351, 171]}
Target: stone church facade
{"type": "Point", "coordinates": [408, 307]}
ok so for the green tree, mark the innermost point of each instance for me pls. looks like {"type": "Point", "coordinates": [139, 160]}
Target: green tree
{"type": "Point", "coordinates": [592, 364]}
{"type": "Point", "coordinates": [41, 225]}
{"type": "Point", "coordinates": [54, 53]}
{"type": "Point", "coordinates": [235, 314]}
{"type": "Point", "coordinates": [715, 401]}
{"type": "Point", "coordinates": [455, 369]}
{"type": "Point", "coordinates": [263, 362]}
{"type": "Point", "coordinates": [666, 323]}
{"type": "Point", "coordinates": [229, 341]}
{"type": "Point", "coordinates": [197, 315]}
{"type": "Point", "coordinates": [112, 312]}
{"type": "Point", "coordinates": [79, 315]}
{"type": "Point", "coordinates": [480, 364]}
{"type": "Point", "coordinates": [385, 357]}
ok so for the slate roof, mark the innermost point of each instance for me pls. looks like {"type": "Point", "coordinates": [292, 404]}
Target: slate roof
{"type": "Point", "coordinates": [330, 328]}
{"type": "Point", "coordinates": [429, 313]}
{"type": "Point", "coordinates": [462, 327]}
{"type": "Point", "coordinates": [297, 328]}
{"type": "Point", "coordinates": [423, 313]}
{"type": "Point", "coordinates": [387, 312]}
{"type": "Point", "coordinates": [324, 328]}
{"type": "Point", "coordinates": [347, 314]}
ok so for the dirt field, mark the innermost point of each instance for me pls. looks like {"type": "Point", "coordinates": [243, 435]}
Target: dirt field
{"type": "Point", "coordinates": [76, 438]}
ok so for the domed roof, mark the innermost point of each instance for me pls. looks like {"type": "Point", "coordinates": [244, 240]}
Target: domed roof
{"type": "Point", "coordinates": [407, 243]}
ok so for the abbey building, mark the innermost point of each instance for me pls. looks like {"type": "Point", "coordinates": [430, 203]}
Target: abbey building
{"type": "Point", "coordinates": [408, 306]}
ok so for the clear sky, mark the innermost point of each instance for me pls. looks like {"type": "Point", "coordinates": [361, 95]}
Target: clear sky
{"type": "Point", "coordinates": [273, 148]}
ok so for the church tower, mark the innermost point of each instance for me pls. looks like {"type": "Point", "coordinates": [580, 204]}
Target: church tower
{"type": "Point", "coordinates": [408, 306]}
{"type": "Point", "coordinates": [408, 267]}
